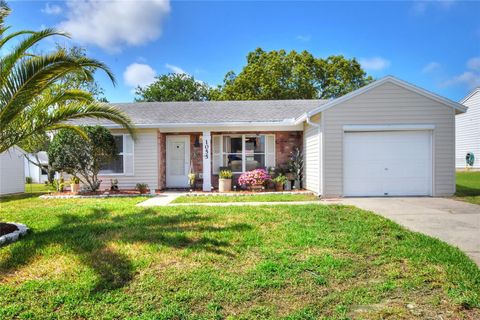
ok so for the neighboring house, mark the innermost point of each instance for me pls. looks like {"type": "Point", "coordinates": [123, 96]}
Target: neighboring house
{"type": "Point", "coordinates": [387, 138]}
{"type": "Point", "coordinates": [468, 130]}
{"type": "Point", "coordinates": [38, 175]}
{"type": "Point", "coordinates": [12, 176]}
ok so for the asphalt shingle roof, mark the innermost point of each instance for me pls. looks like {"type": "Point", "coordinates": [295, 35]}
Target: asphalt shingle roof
{"type": "Point", "coordinates": [151, 113]}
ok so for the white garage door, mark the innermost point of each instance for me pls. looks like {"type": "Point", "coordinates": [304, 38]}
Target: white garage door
{"type": "Point", "coordinates": [387, 163]}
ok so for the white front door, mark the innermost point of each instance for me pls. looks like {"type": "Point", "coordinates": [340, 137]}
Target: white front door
{"type": "Point", "coordinates": [387, 163]}
{"type": "Point", "coordinates": [178, 161]}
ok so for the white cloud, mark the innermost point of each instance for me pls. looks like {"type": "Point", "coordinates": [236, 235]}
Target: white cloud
{"type": "Point", "coordinates": [138, 74]}
{"type": "Point", "coordinates": [304, 38]}
{"type": "Point", "coordinates": [470, 77]}
{"type": "Point", "coordinates": [374, 63]}
{"type": "Point", "coordinates": [474, 64]}
{"type": "Point", "coordinates": [175, 69]}
{"type": "Point", "coordinates": [113, 25]}
{"type": "Point", "coordinates": [431, 67]}
{"type": "Point", "coordinates": [52, 9]}
{"type": "Point", "coordinates": [420, 7]}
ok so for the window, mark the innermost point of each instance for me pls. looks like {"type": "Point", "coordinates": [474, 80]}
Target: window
{"type": "Point", "coordinates": [243, 153]}
{"type": "Point", "coordinates": [115, 166]}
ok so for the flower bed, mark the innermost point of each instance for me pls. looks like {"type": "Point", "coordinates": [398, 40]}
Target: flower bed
{"type": "Point", "coordinates": [98, 194]}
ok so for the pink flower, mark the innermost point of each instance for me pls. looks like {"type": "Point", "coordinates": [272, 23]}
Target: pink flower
{"type": "Point", "coordinates": [254, 177]}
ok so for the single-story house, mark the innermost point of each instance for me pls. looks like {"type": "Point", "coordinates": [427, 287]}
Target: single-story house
{"type": "Point", "coordinates": [467, 126]}
{"type": "Point", "coordinates": [38, 175]}
{"type": "Point", "coordinates": [388, 138]}
{"type": "Point", "coordinates": [12, 175]}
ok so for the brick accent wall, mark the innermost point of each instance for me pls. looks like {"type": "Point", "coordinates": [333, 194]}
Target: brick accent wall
{"type": "Point", "coordinates": [285, 143]}
{"type": "Point", "coordinates": [162, 160]}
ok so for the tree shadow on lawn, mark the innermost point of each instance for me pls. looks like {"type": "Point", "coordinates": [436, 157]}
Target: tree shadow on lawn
{"type": "Point", "coordinates": [464, 191]}
{"type": "Point", "coordinates": [88, 237]}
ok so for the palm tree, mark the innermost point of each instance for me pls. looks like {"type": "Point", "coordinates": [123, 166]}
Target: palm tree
{"type": "Point", "coordinates": [28, 103]}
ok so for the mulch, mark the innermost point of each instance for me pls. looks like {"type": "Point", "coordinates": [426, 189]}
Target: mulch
{"type": "Point", "coordinates": [6, 228]}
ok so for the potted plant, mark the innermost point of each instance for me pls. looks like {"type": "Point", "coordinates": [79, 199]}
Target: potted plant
{"type": "Point", "coordinates": [279, 181]}
{"type": "Point", "coordinates": [142, 187]}
{"type": "Point", "coordinates": [296, 166]}
{"type": "Point", "coordinates": [74, 185]}
{"type": "Point", "coordinates": [254, 179]}
{"type": "Point", "coordinates": [191, 180]}
{"type": "Point", "coordinates": [225, 181]}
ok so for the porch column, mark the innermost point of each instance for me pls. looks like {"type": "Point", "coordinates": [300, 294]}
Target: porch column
{"type": "Point", "coordinates": [207, 162]}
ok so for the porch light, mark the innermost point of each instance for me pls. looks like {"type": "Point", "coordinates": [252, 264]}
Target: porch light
{"type": "Point", "coordinates": [196, 144]}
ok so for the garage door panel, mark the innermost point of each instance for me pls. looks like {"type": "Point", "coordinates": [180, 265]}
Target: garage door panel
{"type": "Point", "coordinates": [387, 163]}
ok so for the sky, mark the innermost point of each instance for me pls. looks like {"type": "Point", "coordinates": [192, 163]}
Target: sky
{"type": "Point", "coordinates": [434, 44]}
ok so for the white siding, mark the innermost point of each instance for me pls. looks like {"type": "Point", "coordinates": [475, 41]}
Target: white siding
{"type": "Point", "coordinates": [311, 152]}
{"type": "Point", "coordinates": [145, 162]}
{"type": "Point", "coordinates": [12, 172]}
{"type": "Point", "coordinates": [467, 126]}
{"type": "Point", "coordinates": [390, 104]}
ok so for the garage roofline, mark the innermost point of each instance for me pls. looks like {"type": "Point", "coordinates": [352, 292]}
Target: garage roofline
{"type": "Point", "coordinates": [458, 107]}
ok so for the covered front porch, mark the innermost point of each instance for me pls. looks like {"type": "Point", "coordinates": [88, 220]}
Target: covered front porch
{"type": "Point", "coordinates": [204, 153]}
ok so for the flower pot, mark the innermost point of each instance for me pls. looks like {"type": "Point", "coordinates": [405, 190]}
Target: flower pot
{"type": "Point", "coordinates": [224, 185]}
{"type": "Point", "coordinates": [75, 187]}
{"type": "Point", "coordinates": [278, 186]}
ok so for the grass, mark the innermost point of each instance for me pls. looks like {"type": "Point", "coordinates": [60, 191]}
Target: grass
{"type": "Point", "coordinates": [108, 259]}
{"type": "Point", "coordinates": [468, 186]}
{"type": "Point", "coordinates": [38, 188]}
{"type": "Point", "coordinates": [247, 198]}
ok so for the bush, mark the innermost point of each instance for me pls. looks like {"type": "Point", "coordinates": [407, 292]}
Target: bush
{"type": "Point", "coordinates": [70, 153]}
{"type": "Point", "coordinates": [28, 180]}
{"type": "Point", "coordinates": [142, 187]}
{"type": "Point", "coordinates": [254, 178]}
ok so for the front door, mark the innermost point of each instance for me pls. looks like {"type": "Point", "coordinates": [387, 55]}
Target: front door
{"type": "Point", "coordinates": [178, 161]}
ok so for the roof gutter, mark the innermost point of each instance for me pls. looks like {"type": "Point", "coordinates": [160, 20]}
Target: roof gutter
{"type": "Point", "coordinates": [284, 123]}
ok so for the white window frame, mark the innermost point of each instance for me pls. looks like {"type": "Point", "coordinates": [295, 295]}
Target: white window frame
{"type": "Point", "coordinates": [244, 155]}
{"type": "Point", "coordinates": [119, 154]}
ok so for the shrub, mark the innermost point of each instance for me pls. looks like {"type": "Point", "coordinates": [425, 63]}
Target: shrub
{"type": "Point", "coordinates": [225, 174]}
{"type": "Point", "coordinates": [72, 154]}
{"type": "Point", "coordinates": [141, 187]}
{"type": "Point", "coordinates": [254, 178]}
{"type": "Point", "coordinates": [28, 180]}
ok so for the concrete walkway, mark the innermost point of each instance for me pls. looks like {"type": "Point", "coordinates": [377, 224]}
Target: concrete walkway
{"type": "Point", "coordinates": [161, 200]}
{"type": "Point", "coordinates": [455, 222]}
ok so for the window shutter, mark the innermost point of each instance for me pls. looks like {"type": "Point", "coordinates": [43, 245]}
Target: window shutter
{"type": "Point", "coordinates": [128, 155]}
{"type": "Point", "coordinates": [270, 150]}
{"type": "Point", "coordinates": [216, 153]}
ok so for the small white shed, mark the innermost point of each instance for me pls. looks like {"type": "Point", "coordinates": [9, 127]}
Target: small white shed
{"type": "Point", "coordinates": [12, 171]}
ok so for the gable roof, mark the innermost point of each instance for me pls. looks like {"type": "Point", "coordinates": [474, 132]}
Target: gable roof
{"type": "Point", "coordinates": [459, 108]}
{"type": "Point", "coordinates": [470, 94]}
{"type": "Point", "coordinates": [195, 113]}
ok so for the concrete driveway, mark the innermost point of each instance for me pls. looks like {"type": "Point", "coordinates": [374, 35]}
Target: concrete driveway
{"type": "Point", "coordinates": [455, 222]}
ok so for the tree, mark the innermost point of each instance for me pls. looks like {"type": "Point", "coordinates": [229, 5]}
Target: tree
{"type": "Point", "coordinates": [29, 102]}
{"type": "Point", "coordinates": [78, 80]}
{"type": "Point", "coordinates": [174, 87]}
{"type": "Point", "coordinates": [281, 75]}
{"type": "Point", "coordinates": [71, 153]}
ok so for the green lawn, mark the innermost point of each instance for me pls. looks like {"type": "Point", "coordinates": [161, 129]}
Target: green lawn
{"type": "Point", "coordinates": [468, 186]}
{"type": "Point", "coordinates": [247, 198]}
{"type": "Point", "coordinates": [107, 259]}
{"type": "Point", "coordinates": [38, 188]}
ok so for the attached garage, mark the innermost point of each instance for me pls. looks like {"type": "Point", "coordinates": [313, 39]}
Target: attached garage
{"type": "Point", "coordinates": [387, 163]}
{"type": "Point", "coordinates": [389, 138]}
